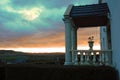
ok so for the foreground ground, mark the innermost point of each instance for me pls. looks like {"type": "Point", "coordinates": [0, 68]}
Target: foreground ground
{"type": "Point", "coordinates": [56, 72]}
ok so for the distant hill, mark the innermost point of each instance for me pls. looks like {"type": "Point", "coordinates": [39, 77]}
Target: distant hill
{"type": "Point", "coordinates": [41, 58]}
{"type": "Point", "coordinates": [12, 52]}
{"type": "Point", "coordinates": [9, 51]}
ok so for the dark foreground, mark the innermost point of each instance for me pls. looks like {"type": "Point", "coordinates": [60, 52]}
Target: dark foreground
{"type": "Point", "coordinates": [56, 72]}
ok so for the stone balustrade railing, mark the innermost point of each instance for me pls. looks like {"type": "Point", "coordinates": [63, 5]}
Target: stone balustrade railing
{"type": "Point", "coordinates": [92, 57]}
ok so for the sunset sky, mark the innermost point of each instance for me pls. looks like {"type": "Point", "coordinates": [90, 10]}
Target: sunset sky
{"type": "Point", "coordinates": [37, 26]}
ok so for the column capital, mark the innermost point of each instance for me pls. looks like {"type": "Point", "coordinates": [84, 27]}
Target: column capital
{"type": "Point", "coordinates": [67, 19]}
{"type": "Point", "coordinates": [74, 28]}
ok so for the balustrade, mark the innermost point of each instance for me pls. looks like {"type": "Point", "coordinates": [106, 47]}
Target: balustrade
{"type": "Point", "coordinates": [93, 57]}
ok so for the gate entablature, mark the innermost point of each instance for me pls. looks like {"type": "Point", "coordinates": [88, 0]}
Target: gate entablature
{"type": "Point", "coordinates": [88, 15]}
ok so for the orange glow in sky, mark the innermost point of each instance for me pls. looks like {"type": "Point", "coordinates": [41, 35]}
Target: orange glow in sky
{"type": "Point", "coordinates": [48, 50]}
{"type": "Point", "coordinates": [38, 50]}
{"type": "Point", "coordinates": [36, 27]}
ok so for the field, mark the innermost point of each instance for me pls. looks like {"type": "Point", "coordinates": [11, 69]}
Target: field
{"type": "Point", "coordinates": [12, 57]}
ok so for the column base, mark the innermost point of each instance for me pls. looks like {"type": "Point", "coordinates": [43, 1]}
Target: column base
{"type": "Point", "coordinates": [76, 63]}
{"type": "Point", "coordinates": [68, 63]}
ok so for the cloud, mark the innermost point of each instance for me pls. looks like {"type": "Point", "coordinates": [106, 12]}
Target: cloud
{"type": "Point", "coordinates": [35, 23]}
{"type": "Point", "coordinates": [85, 2]}
{"type": "Point", "coordinates": [85, 33]}
{"type": "Point", "coordinates": [48, 39]}
{"type": "Point", "coordinates": [48, 4]}
{"type": "Point", "coordinates": [40, 14]}
{"type": "Point", "coordinates": [36, 40]}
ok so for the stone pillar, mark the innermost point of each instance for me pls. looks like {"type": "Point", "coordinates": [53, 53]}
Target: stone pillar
{"type": "Point", "coordinates": [74, 44]}
{"type": "Point", "coordinates": [103, 38]}
{"type": "Point", "coordinates": [68, 54]}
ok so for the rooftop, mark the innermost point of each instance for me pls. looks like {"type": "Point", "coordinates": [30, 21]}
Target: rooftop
{"type": "Point", "coordinates": [90, 15]}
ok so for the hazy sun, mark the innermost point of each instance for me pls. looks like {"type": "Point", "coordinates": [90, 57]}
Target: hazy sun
{"type": "Point", "coordinates": [31, 14]}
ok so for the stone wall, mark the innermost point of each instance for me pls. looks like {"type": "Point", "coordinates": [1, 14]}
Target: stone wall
{"type": "Point", "coordinates": [114, 6]}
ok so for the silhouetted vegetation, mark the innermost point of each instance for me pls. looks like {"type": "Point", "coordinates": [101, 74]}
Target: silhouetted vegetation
{"type": "Point", "coordinates": [12, 57]}
{"type": "Point", "coordinates": [56, 72]}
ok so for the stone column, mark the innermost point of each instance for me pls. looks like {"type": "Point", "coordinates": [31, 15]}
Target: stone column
{"type": "Point", "coordinates": [68, 54]}
{"type": "Point", "coordinates": [74, 44]}
{"type": "Point", "coordinates": [103, 38]}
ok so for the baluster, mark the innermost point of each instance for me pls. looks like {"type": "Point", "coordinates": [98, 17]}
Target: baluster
{"type": "Point", "coordinates": [73, 56]}
{"type": "Point", "coordinates": [76, 58]}
{"type": "Point", "coordinates": [94, 57]}
{"type": "Point", "coordinates": [103, 58]}
{"type": "Point", "coordinates": [100, 58]}
{"type": "Point", "coordinates": [81, 58]}
{"type": "Point", "coordinates": [106, 59]}
{"type": "Point", "coordinates": [110, 57]}
{"type": "Point", "coordinates": [86, 57]}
